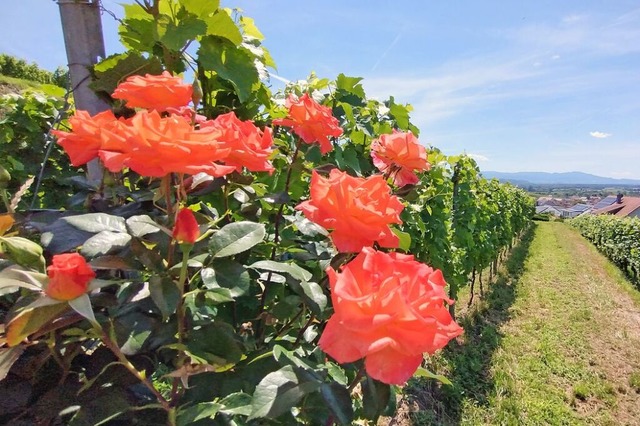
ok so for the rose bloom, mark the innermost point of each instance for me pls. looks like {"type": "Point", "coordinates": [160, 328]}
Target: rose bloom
{"type": "Point", "coordinates": [358, 211]}
{"type": "Point", "coordinates": [186, 229]}
{"type": "Point", "coordinates": [157, 92]}
{"type": "Point", "coordinates": [399, 155]}
{"type": "Point", "coordinates": [69, 277]}
{"type": "Point", "coordinates": [311, 121]}
{"type": "Point", "coordinates": [83, 143]}
{"type": "Point", "coordinates": [155, 146]}
{"type": "Point", "coordinates": [388, 309]}
{"type": "Point", "coordinates": [249, 146]}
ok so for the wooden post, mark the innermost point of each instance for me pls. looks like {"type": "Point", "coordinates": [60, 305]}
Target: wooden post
{"type": "Point", "coordinates": [82, 28]}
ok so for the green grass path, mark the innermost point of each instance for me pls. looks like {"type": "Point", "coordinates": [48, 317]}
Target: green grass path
{"type": "Point", "coordinates": [555, 341]}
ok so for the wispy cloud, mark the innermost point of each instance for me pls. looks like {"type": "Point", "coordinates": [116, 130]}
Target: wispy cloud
{"type": "Point", "coordinates": [479, 157]}
{"type": "Point", "coordinates": [386, 52]}
{"type": "Point", "coordinates": [600, 135]}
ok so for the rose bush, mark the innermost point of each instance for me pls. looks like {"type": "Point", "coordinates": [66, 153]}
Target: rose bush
{"type": "Point", "coordinates": [213, 292]}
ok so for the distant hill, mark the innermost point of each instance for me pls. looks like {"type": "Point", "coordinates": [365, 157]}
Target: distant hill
{"type": "Point", "coordinates": [568, 178]}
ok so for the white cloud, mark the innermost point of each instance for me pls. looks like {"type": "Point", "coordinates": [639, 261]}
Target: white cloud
{"type": "Point", "coordinates": [479, 157]}
{"type": "Point", "coordinates": [600, 135]}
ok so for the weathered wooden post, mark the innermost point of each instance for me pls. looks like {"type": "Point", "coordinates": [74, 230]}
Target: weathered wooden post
{"type": "Point", "coordinates": [82, 28]}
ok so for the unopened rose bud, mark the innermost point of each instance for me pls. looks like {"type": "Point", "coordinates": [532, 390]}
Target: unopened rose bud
{"type": "Point", "coordinates": [186, 229]}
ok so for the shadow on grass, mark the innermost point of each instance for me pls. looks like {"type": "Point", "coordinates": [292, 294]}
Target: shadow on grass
{"type": "Point", "coordinates": [467, 362]}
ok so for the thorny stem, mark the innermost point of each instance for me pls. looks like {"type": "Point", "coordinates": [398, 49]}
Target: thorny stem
{"type": "Point", "coordinates": [180, 314]}
{"type": "Point", "coordinates": [356, 379]}
{"type": "Point", "coordinates": [115, 349]}
{"type": "Point", "coordinates": [276, 240]}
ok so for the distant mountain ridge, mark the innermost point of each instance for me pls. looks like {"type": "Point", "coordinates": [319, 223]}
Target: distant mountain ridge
{"type": "Point", "coordinates": [567, 178]}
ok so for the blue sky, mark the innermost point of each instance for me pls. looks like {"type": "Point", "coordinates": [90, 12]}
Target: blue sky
{"type": "Point", "coordinates": [536, 86]}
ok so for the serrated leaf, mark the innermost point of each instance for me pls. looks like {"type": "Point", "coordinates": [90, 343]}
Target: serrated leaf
{"type": "Point", "coordinates": [229, 275]}
{"type": "Point", "coordinates": [96, 222]}
{"type": "Point", "coordinates": [176, 33]}
{"type": "Point", "coordinates": [423, 372]}
{"type": "Point", "coordinates": [230, 63]}
{"type": "Point", "coordinates": [250, 29]}
{"type": "Point", "coordinates": [220, 24]}
{"type": "Point", "coordinates": [339, 402]}
{"type": "Point", "coordinates": [203, 410]}
{"type": "Point", "coordinates": [404, 237]}
{"type": "Point", "coordinates": [235, 238]}
{"type": "Point", "coordinates": [114, 69]}
{"type": "Point", "coordinates": [375, 398]}
{"type": "Point", "coordinates": [279, 391]}
{"type": "Point", "coordinates": [141, 225]}
{"type": "Point", "coordinates": [238, 403]}
{"type": "Point", "coordinates": [105, 242]}
{"type": "Point", "coordinates": [165, 294]}
{"type": "Point", "coordinates": [201, 8]}
{"type": "Point", "coordinates": [311, 293]}
{"type": "Point", "coordinates": [289, 268]}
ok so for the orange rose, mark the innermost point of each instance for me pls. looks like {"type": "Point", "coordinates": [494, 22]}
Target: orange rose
{"type": "Point", "coordinates": [69, 277]}
{"type": "Point", "coordinates": [186, 229]}
{"type": "Point", "coordinates": [156, 146]}
{"type": "Point", "coordinates": [399, 155]}
{"type": "Point", "coordinates": [311, 121]}
{"type": "Point", "coordinates": [157, 92]}
{"type": "Point", "coordinates": [389, 310]}
{"type": "Point", "coordinates": [357, 210]}
{"type": "Point", "coordinates": [249, 146]}
{"type": "Point", "coordinates": [83, 143]}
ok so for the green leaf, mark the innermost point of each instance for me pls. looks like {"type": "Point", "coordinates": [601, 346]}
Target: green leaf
{"type": "Point", "coordinates": [230, 63]}
{"type": "Point", "coordinates": [28, 321]}
{"type": "Point", "coordinates": [250, 29]}
{"type": "Point", "coordinates": [350, 85]}
{"type": "Point", "coordinates": [227, 274]}
{"type": "Point", "coordinates": [203, 410]}
{"type": "Point", "coordinates": [105, 242]}
{"type": "Point", "coordinates": [23, 252]}
{"type": "Point", "coordinates": [215, 343]}
{"type": "Point", "coordinates": [134, 329]}
{"type": "Point", "coordinates": [375, 398]}
{"type": "Point", "coordinates": [116, 68]}
{"type": "Point", "coordinates": [404, 237]}
{"type": "Point", "coordinates": [235, 238]}
{"type": "Point", "coordinates": [339, 402]}
{"type": "Point", "coordinates": [238, 403]}
{"type": "Point", "coordinates": [14, 276]}
{"type": "Point", "coordinates": [280, 390]}
{"type": "Point", "coordinates": [200, 8]}
{"type": "Point", "coordinates": [82, 305]}
{"type": "Point", "coordinates": [423, 372]}
{"type": "Point", "coordinates": [220, 24]}
{"type": "Point", "coordinates": [165, 294]}
{"type": "Point", "coordinates": [176, 34]}
{"type": "Point", "coordinates": [96, 222]}
{"type": "Point", "coordinates": [311, 293]}
{"type": "Point", "coordinates": [292, 269]}
{"type": "Point", "coordinates": [141, 225]}
{"type": "Point", "coordinates": [7, 357]}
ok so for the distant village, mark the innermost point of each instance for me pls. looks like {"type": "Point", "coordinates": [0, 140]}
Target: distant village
{"type": "Point", "coordinates": [566, 208]}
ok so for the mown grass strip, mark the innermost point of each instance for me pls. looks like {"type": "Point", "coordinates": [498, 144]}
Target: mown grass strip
{"type": "Point", "coordinates": [535, 349]}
